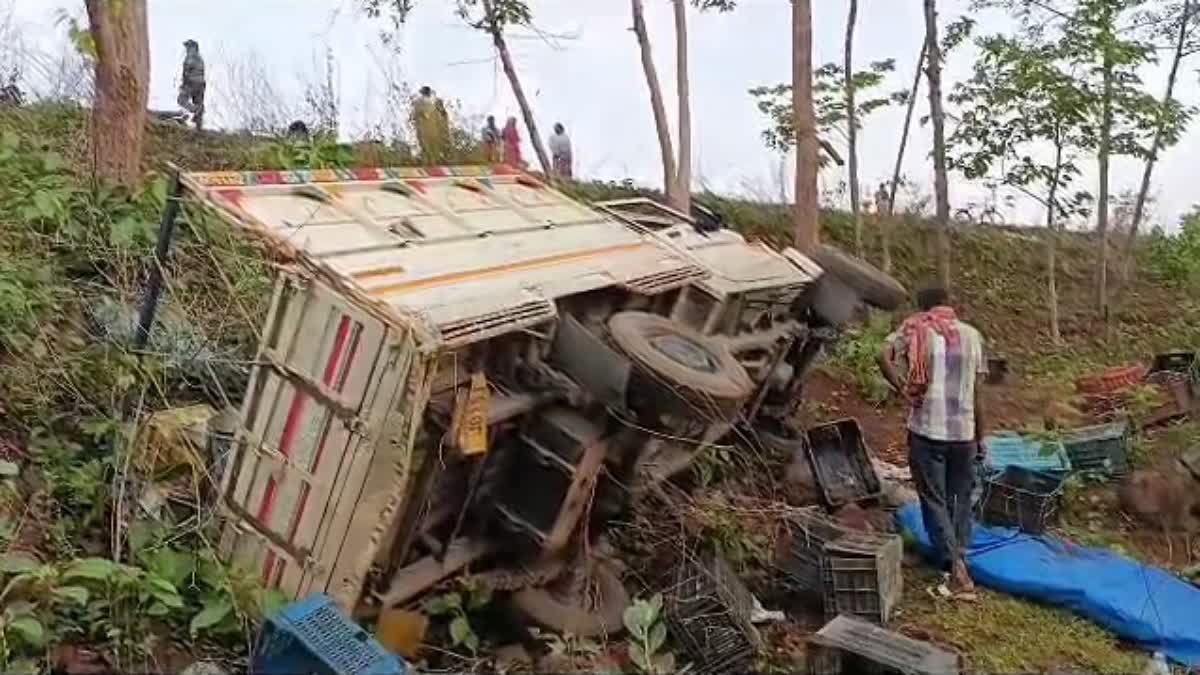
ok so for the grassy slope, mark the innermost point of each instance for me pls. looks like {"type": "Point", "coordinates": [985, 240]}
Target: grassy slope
{"type": "Point", "coordinates": [999, 282]}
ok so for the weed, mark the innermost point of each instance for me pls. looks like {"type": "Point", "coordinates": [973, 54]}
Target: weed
{"type": "Point", "coordinates": [457, 608]}
{"type": "Point", "coordinates": [319, 151]}
{"type": "Point", "coordinates": [856, 355]}
{"type": "Point", "coordinates": [648, 635]}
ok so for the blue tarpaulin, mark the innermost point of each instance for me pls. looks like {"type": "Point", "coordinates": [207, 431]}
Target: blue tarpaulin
{"type": "Point", "coordinates": [1139, 603]}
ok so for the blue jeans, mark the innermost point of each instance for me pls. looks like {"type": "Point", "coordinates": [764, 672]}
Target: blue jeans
{"type": "Point", "coordinates": [944, 474]}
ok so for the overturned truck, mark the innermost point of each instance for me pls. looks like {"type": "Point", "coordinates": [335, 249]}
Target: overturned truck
{"type": "Point", "coordinates": [463, 367]}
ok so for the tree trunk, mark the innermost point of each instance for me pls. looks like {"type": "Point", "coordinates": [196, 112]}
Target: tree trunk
{"type": "Point", "coordinates": [1052, 247]}
{"type": "Point", "coordinates": [887, 219]}
{"type": "Point", "coordinates": [1139, 207]}
{"type": "Point", "coordinates": [852, 128]}
{"type": "Point", "coordinates": [941, 184]}
{"type": "Point", "coordinates": [805, 225]}
{"type": "Point", "coordinates": [122, 88]}
{"type": "Point", "coordinates": [683, 176]}
{"type": "Point", "coordinates": [656, 100]}
{"type": "Point", "coordinates": [908, 116]}
{"type": "Point", "coordinates": [1105, 151]}
{"type": "Point", "coordinates": [515, 82]}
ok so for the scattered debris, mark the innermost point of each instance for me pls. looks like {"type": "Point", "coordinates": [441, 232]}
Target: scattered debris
{"type": "Point", "coordinates": [513, 658]}
{"type": "Point", "coordinates": [402, 631]}
{"type": "Point", "coordinates": [847, 645]}
{"type": "Point", "coordinates": [760, 615]}
{"type": "Point", "coordinates": [204, 668]}
{"type": "Point", "coordinates": [174, 439]}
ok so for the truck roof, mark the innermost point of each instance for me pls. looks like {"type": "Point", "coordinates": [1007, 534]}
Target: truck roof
{"type": "Point", "coordinates": [470, 252]}
{"type": "Point", "coordinates": [734, 264]}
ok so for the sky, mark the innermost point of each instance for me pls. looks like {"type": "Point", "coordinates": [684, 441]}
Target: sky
{"type": "Point", "coordinates": [581, 68]}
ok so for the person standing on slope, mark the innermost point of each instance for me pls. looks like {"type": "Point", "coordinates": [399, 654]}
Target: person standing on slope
{"type": "Point", "coordinates": [560, 152]}
{"type": "Point", "coordinates": [936, 362]}
{"type": "Point", "coordinates": [192, 84]}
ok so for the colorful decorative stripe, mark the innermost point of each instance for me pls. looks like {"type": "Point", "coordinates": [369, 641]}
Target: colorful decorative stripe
{"type": "Point", "coordinates": [297, 177]}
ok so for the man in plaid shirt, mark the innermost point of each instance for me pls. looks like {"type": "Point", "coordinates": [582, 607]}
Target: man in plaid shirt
{"type": "Point", "coordinates": [936, 361]}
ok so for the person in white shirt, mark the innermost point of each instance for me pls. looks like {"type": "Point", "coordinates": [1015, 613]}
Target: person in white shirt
{"type": "Point", "coordinates": [560, 152]}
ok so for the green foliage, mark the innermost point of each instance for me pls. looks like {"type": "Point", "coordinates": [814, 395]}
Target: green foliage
{"type": "Point", "coordinates": [319, 151]}
{"type": "Point", "coordinates": [829, 101]}
{"type": "Point", "coordinates": [712, 463]}
{"type": "Point", "coordinates": [1176, 258]}
{"type": "Point", "coordinates": [457, 607]}
{"type": "Point", "coordinates": [27, 296]}
{"type": "Point", "coordinates": [856, 354]}
{"type": "Point", "coordinates": [1020, 95]}
{"type": "Point", "coordinates": [648, 635]}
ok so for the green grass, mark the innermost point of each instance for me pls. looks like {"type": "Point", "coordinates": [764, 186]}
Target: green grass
{"type": "Point", "coordinates": [1004, 634]}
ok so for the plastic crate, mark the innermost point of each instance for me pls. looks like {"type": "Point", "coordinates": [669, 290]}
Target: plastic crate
{"type": "Point", "coordinates": [1022, 498]}
{"type": "Point", "coordinates": [312, 636]}
{"type": "Point", "coordinates": [1111, 381]}
{"type": "Point", "coordinates": [1179, 362]}
{"type": "Point", "coordinates": [997, 369]}
{"type": "Point", "coordinates": [841, 465]}
{"type": "Point", "coordinates": [708, 613]}
{"type": "Point", "coordinates": [800, 549]}
{"type": "Point", "coordinates": [1011, 449]}
{"type": "Point", "coordinates": [1102, 448]}
{"type": "Point", "coordinates": [863, 577]}
{"type": "Point", "coordinates": [1177, 392]}
{"type": "Point", "coordinates": [846, 645]}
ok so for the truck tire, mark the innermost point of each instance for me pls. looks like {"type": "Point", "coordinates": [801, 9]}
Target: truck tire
{"type": "Point", "coordinates": [875, 286]}
{"type": "Point", "coordinates": [681, 357]}
{"type": "Point", "coordinates": [582, 609]}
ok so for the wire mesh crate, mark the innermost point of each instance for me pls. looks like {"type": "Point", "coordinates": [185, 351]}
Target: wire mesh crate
{"type": "Point", "coordinates": [708, 612]}
{"type": "Point", "coordinates": [863, 577]}
{"type": "Point", "coordinates": [312, 636]}
{"type": "Point", "coordinates": [1022, 498]}
{"type": "Point", "coordinates": [800, 549]}
{"type": "Point", "coordinates": [851, 647]}
{"type": "Point", "coordinates": [1103, 448]}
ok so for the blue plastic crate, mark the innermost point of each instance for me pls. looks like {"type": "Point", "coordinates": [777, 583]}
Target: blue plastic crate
{"type": "Point", "coordinates": [313, 636]}
{"type": "Point", "coordinates": [1011, 449]}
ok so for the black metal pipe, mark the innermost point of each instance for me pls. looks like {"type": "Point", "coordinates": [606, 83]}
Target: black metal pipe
{"type": "Point", "coordinates": [166, 232]}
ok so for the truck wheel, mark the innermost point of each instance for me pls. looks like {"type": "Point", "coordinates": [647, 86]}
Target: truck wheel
{"type": "Point", "coordinates": [584, 605]}
{"type": "Point", "coordinates": [681, 357]}
{"type": "Point", "coordinates": [875, 286]}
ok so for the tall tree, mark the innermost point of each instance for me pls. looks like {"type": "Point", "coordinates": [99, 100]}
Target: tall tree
{"type": "Point", "coordinates": [937, 115]}
{"type": "Point", "coordinates": [683, 177]}
{"type": "Point", "coordinates": [1171, 116]}
{"type": "Point", "coordinates": [1017, 99]}
{"type": "Point", "coordinates": [888, 213]}
{"type": "Point", "coordinates": [829, 105]}
{"type": "Point", "coordinates": [805, 224]}
{"type": "Point", "coordinates": [492, 17]}
{"type": "Point", "coordinates": [122, 47]}
{"type": "Point", "coordinates": [852, 126]}
{"type": "Point", "coordinates": [497, 14]}
{"type": "Point", "coordinates": [1103, 45]}
{"type": "Point", "coordinates": [661, 126]}
{"type": "Point", "coordinates": [677, 170]}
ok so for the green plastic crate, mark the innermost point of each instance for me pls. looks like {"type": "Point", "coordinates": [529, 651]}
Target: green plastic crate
{"type": "Point", "coordinates": [1103, 448]}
